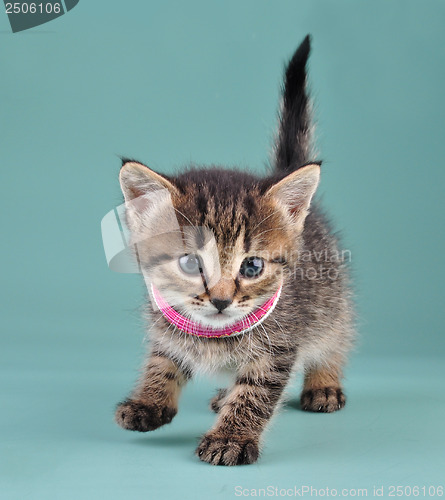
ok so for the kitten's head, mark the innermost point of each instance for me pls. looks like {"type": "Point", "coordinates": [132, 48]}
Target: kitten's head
{"type": "Point", "coordinates": [215, 242]}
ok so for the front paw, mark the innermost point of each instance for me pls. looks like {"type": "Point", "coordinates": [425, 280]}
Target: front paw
{"type": "Point", "coordinates": [230, 450]}
{"type": "Point", "coordinates": [326, 400]}
{"type": "Point", "coordinates": [137, 416]}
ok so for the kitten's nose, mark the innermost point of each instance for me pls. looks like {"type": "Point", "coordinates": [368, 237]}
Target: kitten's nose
{"type": "Point", "coordinates": [221, 304]}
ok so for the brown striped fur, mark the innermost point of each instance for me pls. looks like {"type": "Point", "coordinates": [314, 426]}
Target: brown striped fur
{"type": "Point", "coordinates": [271, 218]}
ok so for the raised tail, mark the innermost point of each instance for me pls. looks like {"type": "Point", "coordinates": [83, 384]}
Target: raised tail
{"type": "Point", "coordinates": [293, 146]}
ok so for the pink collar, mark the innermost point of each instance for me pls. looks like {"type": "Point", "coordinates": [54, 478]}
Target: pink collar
{"type": "Point", "coordinates": [193, 328]}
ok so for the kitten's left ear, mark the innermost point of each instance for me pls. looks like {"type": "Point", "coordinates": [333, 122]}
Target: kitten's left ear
{"type": "Point", "coordinates": [148, 197]}
{"type": "Point", "coordinates": [296, 190]}
{"type": "Point", "coordinates": [137, 180]}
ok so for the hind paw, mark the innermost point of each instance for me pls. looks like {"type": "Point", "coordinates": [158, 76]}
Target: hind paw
{"type": "Point", "coordinates": [325, 400]}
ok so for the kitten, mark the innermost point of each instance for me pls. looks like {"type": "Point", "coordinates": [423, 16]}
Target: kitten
{"type": "Point", "coordinates": [242, 277]}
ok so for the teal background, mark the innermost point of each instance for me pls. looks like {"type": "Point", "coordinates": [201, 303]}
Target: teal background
{"type": "Point", "coordinates": [173, 82]}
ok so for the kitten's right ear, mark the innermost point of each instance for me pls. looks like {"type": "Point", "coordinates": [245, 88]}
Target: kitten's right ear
{"type": "Point", "coordinates": [137, 180]}
{"type": "Point", "coordinates": [295, 191]}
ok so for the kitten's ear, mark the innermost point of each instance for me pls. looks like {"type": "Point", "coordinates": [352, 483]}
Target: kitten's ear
{"type": "Point", "coordinates": [137, 180]}
{"type": "Point", "coordinates": [296, 190]}
{"type": "Point", "coordinates": [148, 198]}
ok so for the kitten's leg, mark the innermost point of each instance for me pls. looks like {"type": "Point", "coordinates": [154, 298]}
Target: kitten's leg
{"type": "Point", "coordinates": [245, 412]}
{"type": "Point", "coordinates": [155, 401]}
{"type": "Point", "coordinates": [322, 391]}
{"type": "Point", "coordinates": [216, 401]}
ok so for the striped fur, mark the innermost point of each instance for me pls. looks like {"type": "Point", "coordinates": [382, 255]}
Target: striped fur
{"type": "Point", "coordinates": [272, 218]}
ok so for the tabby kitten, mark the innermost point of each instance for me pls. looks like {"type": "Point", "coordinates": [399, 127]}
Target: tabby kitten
{"type": "Point", "coordinates": [248, 280]}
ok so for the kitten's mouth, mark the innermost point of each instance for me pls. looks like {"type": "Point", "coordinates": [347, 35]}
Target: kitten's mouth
{"type": "Point", "coordinates": [238, 327]}
{"type": "Point", "coordinates": [218, 319]}
{"type": "Point", "coordinates": [218, 315]}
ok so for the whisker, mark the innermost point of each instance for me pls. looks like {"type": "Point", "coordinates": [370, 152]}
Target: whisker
{"type": "Point", "coordinates": [265, 219]}
{"type": "Point", "coordinates": [185, 217]}
{"type": "Point", "coordinates": [268, 230]}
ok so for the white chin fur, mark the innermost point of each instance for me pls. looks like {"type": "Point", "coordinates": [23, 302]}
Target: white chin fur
{"type": "Point", "coordinates": [216, 320]}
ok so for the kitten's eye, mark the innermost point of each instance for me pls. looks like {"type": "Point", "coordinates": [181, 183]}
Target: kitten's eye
{"type": "Point", "coordinates": [190, 264]}
{"type": "Point", "coordinates": [252, 267]}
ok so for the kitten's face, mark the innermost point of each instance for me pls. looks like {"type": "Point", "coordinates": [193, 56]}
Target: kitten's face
{"type": "Point", "coordinates": [218, 272]}
{"type": "Point", "coordinates": [215, 243]}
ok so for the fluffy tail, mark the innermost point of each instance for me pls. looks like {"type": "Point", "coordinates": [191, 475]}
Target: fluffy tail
{"type": "Point", "coordinates": [293, 146]}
